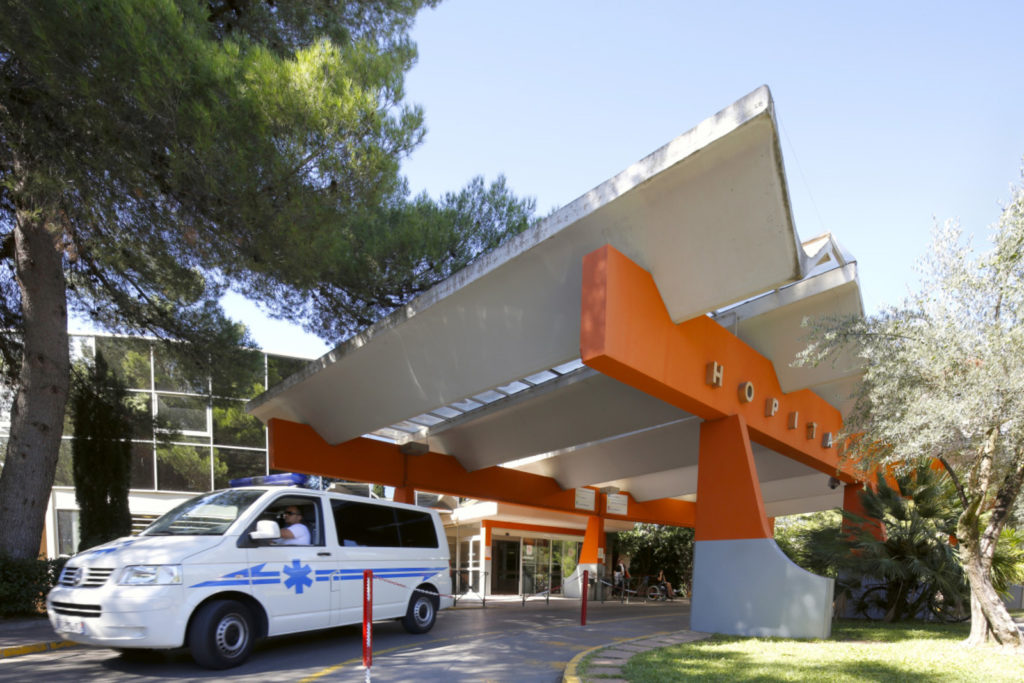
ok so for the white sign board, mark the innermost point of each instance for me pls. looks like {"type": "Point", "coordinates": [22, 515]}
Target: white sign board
{"type": "Point", "coordinates": [618, 504]}
{"type": "Point", "coordinates": [585, 499]}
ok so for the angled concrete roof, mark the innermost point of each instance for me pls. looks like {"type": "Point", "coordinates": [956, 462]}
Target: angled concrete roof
{"type": "Point", "coordinates": [485, 366]}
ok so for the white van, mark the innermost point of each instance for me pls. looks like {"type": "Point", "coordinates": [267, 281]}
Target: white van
{"type": "Point", "coordinates": [214, 575]}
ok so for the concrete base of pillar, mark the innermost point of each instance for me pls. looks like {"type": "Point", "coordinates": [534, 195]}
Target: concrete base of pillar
{"type": "Point", "coordinates": [572, 585]}
{"type": "Point", "coordinates": [750, 587]}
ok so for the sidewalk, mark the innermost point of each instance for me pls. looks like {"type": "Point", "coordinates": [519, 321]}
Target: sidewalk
{"type": "Point", "coordinates": [610, 659]}
{"type": "Point", "coordinates": [28, 635]}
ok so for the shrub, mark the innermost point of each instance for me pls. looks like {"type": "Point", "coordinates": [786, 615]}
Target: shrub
{"type": "Point", "coordinates": [25, 583]}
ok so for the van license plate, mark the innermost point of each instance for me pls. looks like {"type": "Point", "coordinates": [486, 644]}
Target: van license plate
{"type": "Point", "coordinates": [65, 625]}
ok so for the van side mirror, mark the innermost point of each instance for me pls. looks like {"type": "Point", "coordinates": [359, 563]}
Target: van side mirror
{"type": "Point", "coordinates": [266, 530]}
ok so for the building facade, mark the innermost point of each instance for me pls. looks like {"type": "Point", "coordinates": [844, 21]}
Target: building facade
{"type": "Point", "coordinates": [199, 439]}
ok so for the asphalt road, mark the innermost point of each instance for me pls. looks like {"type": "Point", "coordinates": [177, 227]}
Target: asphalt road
{"type": "Point", "coordinates": [502, 642]}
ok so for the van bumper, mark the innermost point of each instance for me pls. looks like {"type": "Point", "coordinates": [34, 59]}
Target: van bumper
{"type": "Point", "coordinates": [141, 617]}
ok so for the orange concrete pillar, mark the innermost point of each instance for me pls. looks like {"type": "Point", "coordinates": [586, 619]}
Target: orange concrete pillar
{"type": "Point", "coordinates": [743, 583]}
{"type": "Point", "coordinates": [729, 503]}
{"type": "Point", "coordinates": [852, 504]}
{"type": "Point", "coordinates": [590, 561]}
{"type": "Point", "coordinates": [593, 541]}
{"type": "Point", "coordinates": [405, 494]}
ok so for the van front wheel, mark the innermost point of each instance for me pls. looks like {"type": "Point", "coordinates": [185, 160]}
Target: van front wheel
{"type": "Point", "coordinates": [422, 613]}
{"type": "Point", "coordinates": [221, 634]}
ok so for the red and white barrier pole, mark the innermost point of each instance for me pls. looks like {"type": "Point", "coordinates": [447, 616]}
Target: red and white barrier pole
{"type": "Point", "coordinates": [367, 621]}
{"type": "Point", "coordinates": [584, 591]}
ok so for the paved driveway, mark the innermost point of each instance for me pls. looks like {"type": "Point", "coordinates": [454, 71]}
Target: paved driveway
{"type": "Point", "coordinates": [503, 642]}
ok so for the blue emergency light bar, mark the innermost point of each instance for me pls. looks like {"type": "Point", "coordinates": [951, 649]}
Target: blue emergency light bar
{"type": "Point", "coordinates": [284, 479]}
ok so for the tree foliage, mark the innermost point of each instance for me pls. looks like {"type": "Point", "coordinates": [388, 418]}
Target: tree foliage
{"type": "Point", "coordinates": [944, 379]}
{"type": "Point", "coordinates": [156, 153]}
{"type": "Point", "coordinates": [912, 569]}
{"type": "Point", "coordinates": [654, 547]}
{"type": "Point", "coordinates": [101, 453]}
{"type": "Point", "coordinates": [801, 537]}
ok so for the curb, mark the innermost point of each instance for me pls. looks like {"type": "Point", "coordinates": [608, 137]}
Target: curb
{"type": "Point", "coordinates": [570, 675]}
{"type": "Point", "coordinates": [33, 648]}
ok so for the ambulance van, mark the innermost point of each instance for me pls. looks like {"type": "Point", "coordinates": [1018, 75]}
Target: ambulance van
{"type": "Point", "coordinates": [214, 575]}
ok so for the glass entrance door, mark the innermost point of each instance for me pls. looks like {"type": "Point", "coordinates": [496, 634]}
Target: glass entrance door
{"type": "Point", "coordinates": [505, 568]}
{"type": "Point", "coordinates": [536, 565]}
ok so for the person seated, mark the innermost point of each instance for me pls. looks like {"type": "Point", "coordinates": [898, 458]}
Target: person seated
{"type": "Point", "coordinates": [296, 532]}
{"type": "Point", "coordinates": [666, 586]}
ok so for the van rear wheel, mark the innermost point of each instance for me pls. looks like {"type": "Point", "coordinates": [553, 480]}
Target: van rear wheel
{"type": "Point", "coordinates": [422, 613]}
{"type": "Point", "coordinates": [221, 635]}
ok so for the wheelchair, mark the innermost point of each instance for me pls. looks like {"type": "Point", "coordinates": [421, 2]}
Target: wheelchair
{"type": "Point", "coordinates": [657, 591]}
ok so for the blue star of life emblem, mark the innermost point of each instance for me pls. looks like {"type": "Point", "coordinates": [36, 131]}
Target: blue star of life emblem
{"type": "Point", "coordinates": [298, 576]}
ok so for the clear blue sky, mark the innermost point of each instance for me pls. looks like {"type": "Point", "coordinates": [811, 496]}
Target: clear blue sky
{"type": "Point", "coordinates": [893, 114]}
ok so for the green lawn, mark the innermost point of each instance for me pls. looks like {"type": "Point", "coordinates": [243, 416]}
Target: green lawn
{"type": "Point", "coordinates": [857, 651]}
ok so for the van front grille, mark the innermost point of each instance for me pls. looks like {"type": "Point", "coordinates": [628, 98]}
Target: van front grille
{"type": "Point", "coordinates": [71, 609]}
{"type": "Point", "coordinates": [85, 577]}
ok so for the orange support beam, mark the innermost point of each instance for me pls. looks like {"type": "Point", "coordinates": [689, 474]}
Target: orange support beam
{"type": "Point", "coordinates": [298, 448]}
{"type": "Point", "coordinates": [661, 511]}
{"type": "Point", "coordinates": [729, 504]}
{"type": "Point", "coordinates": [698, 366]}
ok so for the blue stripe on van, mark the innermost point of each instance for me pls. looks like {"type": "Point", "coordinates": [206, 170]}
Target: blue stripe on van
{"type": "Point", "coordinates": [386, 573]}
{"type": "Point", "coordinates": [257, 575]}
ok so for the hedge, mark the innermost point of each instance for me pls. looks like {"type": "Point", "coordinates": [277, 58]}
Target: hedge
{"type": "Point", "coordinates": [25, 583]}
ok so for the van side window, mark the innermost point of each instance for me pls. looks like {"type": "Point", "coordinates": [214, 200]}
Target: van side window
{"type": "Point", "coordinates": [416, 529]}
{"type": "Point", "coordinates": [376, 526]}
{"type": "Point", "coordinates": [309, 517]}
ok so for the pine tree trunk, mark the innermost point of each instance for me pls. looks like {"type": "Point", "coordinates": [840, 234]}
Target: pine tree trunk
{"type": "Point", "coordinates": [37, 415]}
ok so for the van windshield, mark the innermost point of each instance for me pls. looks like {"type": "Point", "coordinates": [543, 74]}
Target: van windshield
{"type": "Point", "coordinates": [207, 515]}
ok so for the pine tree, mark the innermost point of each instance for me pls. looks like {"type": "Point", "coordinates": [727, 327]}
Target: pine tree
{"type": "Point", "coordinates": [156, 153]}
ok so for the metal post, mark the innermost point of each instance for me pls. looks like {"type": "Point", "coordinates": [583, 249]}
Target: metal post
{"type": "Point", "coordinates": [367, 621]}
{"type": "Point", "coordinates": [583, 593]}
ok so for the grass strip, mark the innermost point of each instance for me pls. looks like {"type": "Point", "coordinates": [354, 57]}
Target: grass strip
{"type": "Point", "coordinates": [857, 651]}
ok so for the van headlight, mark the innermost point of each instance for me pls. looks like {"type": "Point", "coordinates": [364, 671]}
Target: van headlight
{"type": "Point", "coordinates": [151, 575]}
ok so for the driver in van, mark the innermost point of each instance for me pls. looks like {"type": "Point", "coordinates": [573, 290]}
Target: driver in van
{"type": "Point", "coordinates": [295, 533]}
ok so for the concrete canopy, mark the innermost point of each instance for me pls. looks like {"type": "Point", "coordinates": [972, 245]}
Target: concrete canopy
{"type": "Point", "coordinates": [485, 366]}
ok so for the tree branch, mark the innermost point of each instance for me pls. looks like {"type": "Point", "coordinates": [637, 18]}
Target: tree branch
{"type": "Point", "coordinates": [956, 480]}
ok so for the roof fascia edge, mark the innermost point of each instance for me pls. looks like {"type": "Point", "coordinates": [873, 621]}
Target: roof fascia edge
{"type": "Point", "coordinates": [803, 264]}
{"type": "Point", "coordinates": [821, 283]}
{"type": "Point", "coordinates": [748, 108]}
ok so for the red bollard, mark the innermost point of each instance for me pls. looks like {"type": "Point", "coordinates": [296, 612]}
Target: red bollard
{"type": "Point", "coordinates": [585, 590]}
{"type": "Point", "coordinates": [367, 620]}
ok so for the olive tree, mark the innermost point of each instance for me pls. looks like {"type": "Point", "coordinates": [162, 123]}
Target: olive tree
{"type": "Point", "coordinates": [944, 380]}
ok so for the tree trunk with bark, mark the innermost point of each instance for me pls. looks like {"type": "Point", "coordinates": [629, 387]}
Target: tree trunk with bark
{"type": "Point", "coordinates": [990, 620]}
{"type": "Point", "coordinates": [42, 392]}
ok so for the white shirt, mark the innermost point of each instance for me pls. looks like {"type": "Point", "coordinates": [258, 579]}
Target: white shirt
{"type": "Point", "coordinates": [300, 535]}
